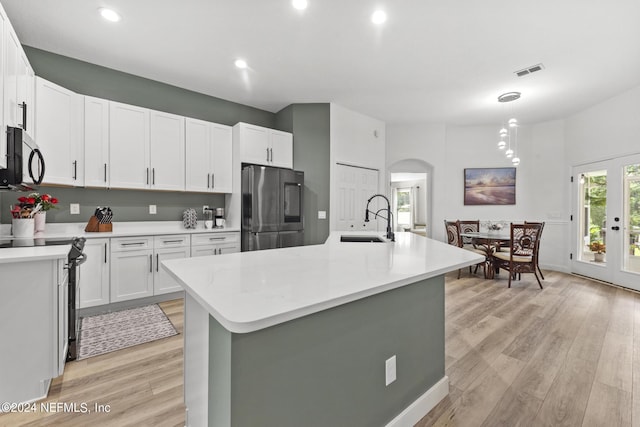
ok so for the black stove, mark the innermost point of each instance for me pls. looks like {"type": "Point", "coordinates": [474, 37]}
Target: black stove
{"type": "Point", "coordinates": [33, 241]}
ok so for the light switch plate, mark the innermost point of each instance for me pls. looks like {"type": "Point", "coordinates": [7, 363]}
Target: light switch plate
{"type": "Point", "coordinates": [74, 208]}
{"type": "Point", "coordinates": [322, 214]}
{"type": "Point", "coordinates": [153, 210]}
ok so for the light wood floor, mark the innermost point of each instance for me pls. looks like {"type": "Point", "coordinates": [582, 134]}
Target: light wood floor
{"type": "Point", "coordinates": [562, 356]}
{"type": "Point", "coordinates": [568, 355]}
{"type": "Point", "coordinates": [142, 384]}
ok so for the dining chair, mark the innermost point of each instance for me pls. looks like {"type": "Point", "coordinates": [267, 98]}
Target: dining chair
{"type": "Point", "coordinates": [453, 238]}
{"type": "Point", "coordinates": [522, 256]}
{"type": "Point", "coordinates": [469, 227]}
{"type": "Point", "coordinates": [538, 243]}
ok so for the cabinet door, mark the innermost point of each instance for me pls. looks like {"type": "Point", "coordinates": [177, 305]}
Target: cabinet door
{"type": "Point", "coordinates": [222, 156]}
{"type": "Point", "coordinates": [128, 146]}
{"type": "Point", "coordinates": [254, 144]}
{"type": "Point", "coordinates": [131, 275]}
{"type": "Point", "coordinates": [228, 248]}
{"type": "Point", "coordinates": [12, 47]}
{"type": "Point", "coordinates": [281, 154]}
{"type": "Point", "coordinates": [162, 282]}
{"type": "Point", "coordinates": [57, 124]}
{"type": "Point", "coordinates": [198, 152]}
{"type": "Point", "coordinates": [167, 151]}
{"type": "Point", "coordinates": [204, 250]}
{"type": "Point", "coordinates": [96, 142]}
{"type": "Point", "coordinates": [94, 274]}
{"type": "Point", "coordinates": [25, 93]}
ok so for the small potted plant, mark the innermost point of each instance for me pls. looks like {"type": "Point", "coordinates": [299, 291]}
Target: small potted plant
{"type": "Point", "coordinates": [598, 248]}
{"type": "Point", "coordinates": [35, 206]}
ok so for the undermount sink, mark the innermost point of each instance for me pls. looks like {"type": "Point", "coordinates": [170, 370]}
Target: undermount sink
{"type": "Point", "coordinates": [364, 239]}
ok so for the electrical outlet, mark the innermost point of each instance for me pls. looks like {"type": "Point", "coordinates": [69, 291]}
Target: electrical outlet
{"type": "Point", "coordinates": [204, 208]}
{"type": "Point", "coordinates": [390, 370]}
{"type": "Point", "coordinates": [322, 214]}
{"type": "Point", "coordinates": [153, 210]}
{"type": "Point", "coordinates": [74, 208]}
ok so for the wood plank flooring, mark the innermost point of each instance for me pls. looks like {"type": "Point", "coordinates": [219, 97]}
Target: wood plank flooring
{"type": "Point", "coordinates": [568, 355]}
{"type": "Point", "coordinates": [143, 386]}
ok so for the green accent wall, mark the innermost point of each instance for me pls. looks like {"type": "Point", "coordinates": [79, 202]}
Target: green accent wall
{"type": "Point", "coordinates": [310, 125]}
{"type": "Point", "coordinates": [328, 368]}
{"type": "Point", "coordinates": [131, 205]}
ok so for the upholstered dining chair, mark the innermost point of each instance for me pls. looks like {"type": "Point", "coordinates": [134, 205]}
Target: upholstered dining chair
{"type": "Point", "coordinates": [522, 256]}
{"type": "Point", "coordinates": [453, 238]}
{"type": "Point", "coordinates": [538, 243]}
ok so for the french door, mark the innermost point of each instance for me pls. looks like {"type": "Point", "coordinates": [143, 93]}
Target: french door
{"type": "Point", "coordinates": [606, 221]}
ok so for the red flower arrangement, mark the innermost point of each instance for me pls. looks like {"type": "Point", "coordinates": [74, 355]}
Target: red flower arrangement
{"type": "Point", "coordinates": [34, 199]}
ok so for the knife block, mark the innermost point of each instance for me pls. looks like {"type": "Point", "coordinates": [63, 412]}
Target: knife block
{"type": "Point", "coordinates": [95, 226]}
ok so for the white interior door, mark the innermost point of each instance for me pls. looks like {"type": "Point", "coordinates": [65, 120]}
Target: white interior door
{"type": "Point", "coordinates": [607, 212]}
{"type": "Point", "coordinates": [355, 185]}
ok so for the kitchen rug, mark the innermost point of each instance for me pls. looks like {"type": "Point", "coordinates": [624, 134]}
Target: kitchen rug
{"type": "Point", "coordinates": [109, 332]}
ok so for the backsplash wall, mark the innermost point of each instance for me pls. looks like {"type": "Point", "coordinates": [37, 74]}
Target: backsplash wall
{"type": "Point", "coordinates": [127, 205]}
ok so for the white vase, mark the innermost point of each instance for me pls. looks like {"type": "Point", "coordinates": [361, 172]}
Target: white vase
{"type": "Point", "coordinates": [22, 227]}
{"type": "Point", "coordinates": [598, 257]}
{"type": "Point", "coordinates": [40, 220]}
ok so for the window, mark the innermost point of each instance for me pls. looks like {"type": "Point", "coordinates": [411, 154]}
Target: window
{"type": "Point", "coordinates": [403, 207]}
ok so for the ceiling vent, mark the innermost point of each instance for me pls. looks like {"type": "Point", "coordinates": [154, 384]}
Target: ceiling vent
{"type": "Point", "coordinates": [529, 70]}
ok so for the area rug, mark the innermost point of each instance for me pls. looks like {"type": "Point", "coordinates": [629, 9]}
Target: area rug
{"type": "Point", "coordinates": [109, 332]}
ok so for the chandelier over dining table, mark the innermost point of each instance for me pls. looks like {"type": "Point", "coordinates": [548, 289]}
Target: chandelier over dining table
{"type": "Point", "coordinates": [509, 131]}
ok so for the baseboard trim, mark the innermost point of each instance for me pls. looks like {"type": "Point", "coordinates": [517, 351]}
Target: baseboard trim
{"type": "Point", "coordinates": [422, 405]}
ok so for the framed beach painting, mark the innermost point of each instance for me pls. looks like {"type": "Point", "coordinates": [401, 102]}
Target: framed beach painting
{"type": "Point", "coordinates": [490, 186]}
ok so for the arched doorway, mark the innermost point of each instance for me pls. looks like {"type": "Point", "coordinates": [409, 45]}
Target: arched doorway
{"type": "Point", "coordinates": [409, 181]}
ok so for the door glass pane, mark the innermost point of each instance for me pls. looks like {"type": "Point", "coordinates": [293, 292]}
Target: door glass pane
{"type": "Point", "coordinates": [631, 258]}
{"type": "Point", "coordinates": [592, 232]}
{"type": "Point", "coordinates": [404, 207]}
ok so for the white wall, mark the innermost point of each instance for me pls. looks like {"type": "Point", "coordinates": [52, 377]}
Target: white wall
{"type": "Point", "coordinates": [356, 140]}
{"type": "Point", "coordinates": [540, 177]}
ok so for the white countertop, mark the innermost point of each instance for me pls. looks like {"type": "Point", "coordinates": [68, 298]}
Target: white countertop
{"type": "Point", "coordinates": [34, 253]}
{"type": "Point", "coordinates": [120, 229]}
{"type": "Point", "coordinates": [249, 291]}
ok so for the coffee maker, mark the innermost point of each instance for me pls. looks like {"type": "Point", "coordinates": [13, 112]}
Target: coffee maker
{"type": "Point", "coordinates": [220, 217]}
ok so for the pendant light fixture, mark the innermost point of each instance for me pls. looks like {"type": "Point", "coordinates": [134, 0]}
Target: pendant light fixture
{"type": "Point", "coordinates": [509, 132]}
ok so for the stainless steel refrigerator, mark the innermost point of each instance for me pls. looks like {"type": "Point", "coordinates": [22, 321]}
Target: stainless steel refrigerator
{"type": "Point", "coordinates": [272, 215]}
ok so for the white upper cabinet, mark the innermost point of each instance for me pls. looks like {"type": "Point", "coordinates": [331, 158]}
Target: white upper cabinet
{"type": "Point", "coordinates": [167, 151]}
{"type": "Point", "coordinates": [209, 155]}
{"type": "Point", "coordinates": [264, 146]}
{"type": "Point", "coordinates": [129, 146]}
{"type": "Point", "coordinates": [96, 142]}
{"type": "Point", "coordinates": [58, 133]}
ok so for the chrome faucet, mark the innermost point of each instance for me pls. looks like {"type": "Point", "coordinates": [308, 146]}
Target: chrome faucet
{"type": "Point", "coordinates": [390, 235]}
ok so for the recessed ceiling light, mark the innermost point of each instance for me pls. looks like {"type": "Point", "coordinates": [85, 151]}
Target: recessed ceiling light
{"type": "Point", "coordinates": [300, 4]}
{"type": "Point", "coordinates": [109, 14]}
{"type": "Point", "coordinates": [241, 63]}
{"type": "Point", "coordinates": [379, 17]}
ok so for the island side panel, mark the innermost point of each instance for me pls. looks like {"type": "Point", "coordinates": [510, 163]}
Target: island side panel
{"type": "Point", "coordinates": [328, 368]}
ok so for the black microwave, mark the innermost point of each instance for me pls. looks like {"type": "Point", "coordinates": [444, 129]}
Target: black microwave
{"type": "Point", "coordinates": [22, 152]}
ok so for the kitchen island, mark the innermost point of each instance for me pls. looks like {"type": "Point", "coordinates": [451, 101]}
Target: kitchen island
{"type": "Point", "coordinates": [312, 335]}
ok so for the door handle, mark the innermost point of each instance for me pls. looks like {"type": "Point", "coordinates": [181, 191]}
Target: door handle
{"type": "Point", "coordinates": [615, 227]}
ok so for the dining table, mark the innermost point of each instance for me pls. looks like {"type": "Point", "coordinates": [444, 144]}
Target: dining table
{"type": "Point", "coordinates": [489, 241]}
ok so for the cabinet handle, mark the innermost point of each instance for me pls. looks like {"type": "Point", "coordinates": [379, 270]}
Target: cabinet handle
{"type": "Point", "coordinates": [220, 251]}
{"type": "Point", "coordinates": [271, 151]}
{"type": "Point", "coordinates": [153, 176]}
{"type": "Point", "coordinates": [147, 176]}
{"type": "Point", "coordinates": [132, 244]}
{"type": "Point", "coordinates": [267, 154]}
{"type": "Point", "coordinates": [213, 180]}
{"type": "Point", "coordinates": [150, 263]}
{"type": "Point", "coordinates": [157, 262]}
{"type": "Point", "coordinates": [105, 253]}
{"type": "Point", "coordinates": [208, 177]}
{"type": "Point", "coordinates": [24, 115]}
{"type": "Point", "coordinates": [172, 241]}
{"type": "Point", "coordinates": [217, 238]}
{"type": "Point", "coordinates": [105, 172]}
{"type": "Point", "coordinates": [75, 170]}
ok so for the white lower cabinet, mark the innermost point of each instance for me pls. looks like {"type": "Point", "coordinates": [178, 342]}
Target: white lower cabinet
{"type": "Point", "coordinates": [94, 274]}
{"type": "Point", "coordinates": [168, 247]}
{"type": "Point", "coordinates": [215, 244]}
{"type": "Point", "coordinates": [135, 265]}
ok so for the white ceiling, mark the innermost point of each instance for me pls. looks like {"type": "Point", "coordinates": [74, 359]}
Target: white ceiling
{"type": "Point", "coordinates": [431, 62]}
